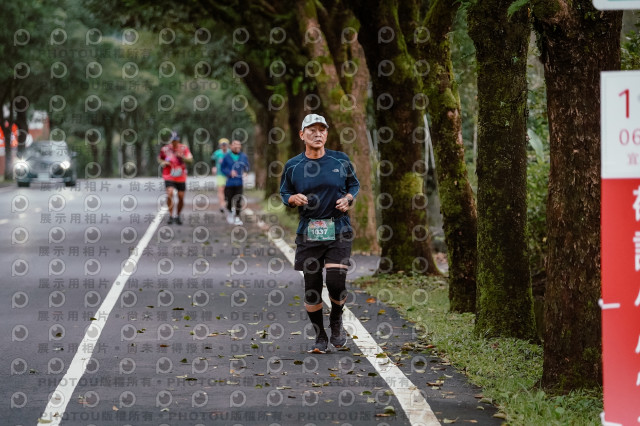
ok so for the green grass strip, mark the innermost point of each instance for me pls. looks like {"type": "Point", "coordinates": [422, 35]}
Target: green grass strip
{"type": "Point", "coordinates": [508, 370]}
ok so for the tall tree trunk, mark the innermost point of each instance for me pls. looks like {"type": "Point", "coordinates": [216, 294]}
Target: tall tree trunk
{"type": "Point", "coordinates": [266, 153]}
{"type": "Point", "coordinates": [296, 113]}
{"type": "Point", "coordinates": [260, 147]}
{"type": "Point", "coordinates": [260, 83]}
{"type": "Point", "coordinates": [456, 196]}
{"type": "Point", "coordinates": [405, 238]}
{"type": "Point", "coordinates": [504, 299]}
{"type": "Point", "coordinates": [23, 130]}
{"type": "Point", "coordinates": [152, 164]}
{"type": "Point", "coordinates": [577, 43]}
{"type": "Point", "coordinates": [122, 147]}
{"type": "Point", "coordinates": [345, 104]}
{"type": "Point", "coordinates": [107, 167]}
{"type": "Point", "coordinates": [272, 187]}
{"type": "Point", "coordinates": [138, 146]}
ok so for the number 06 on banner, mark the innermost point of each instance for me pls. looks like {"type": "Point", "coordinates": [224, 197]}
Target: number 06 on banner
{"type": "Point", "coordinates": [620, 228]}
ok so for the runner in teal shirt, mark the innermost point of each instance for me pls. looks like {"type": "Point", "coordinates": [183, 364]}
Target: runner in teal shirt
{"type": "Point", "coordinates": [216, 160]}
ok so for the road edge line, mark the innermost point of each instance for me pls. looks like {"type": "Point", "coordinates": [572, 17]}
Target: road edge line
{"type": "Point", "coordinates": [411, 399]}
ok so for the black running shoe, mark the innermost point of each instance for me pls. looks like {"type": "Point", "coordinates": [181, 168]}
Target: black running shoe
{"type": "Point", "coordinates": [338, 335]}
{"type": "Point", "coordinates": [320, 347]}
{"type": "Point", "coordinates": [177, 220]}
{"type": "Point", "coordinates": [170, 221]}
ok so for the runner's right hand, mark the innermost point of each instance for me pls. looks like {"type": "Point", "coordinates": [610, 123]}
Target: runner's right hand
{"type": "Point", "coordinates": [298, 200]}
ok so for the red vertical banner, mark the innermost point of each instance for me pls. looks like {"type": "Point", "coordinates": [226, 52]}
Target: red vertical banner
{"type": "Point", "coordinates": [620, 233]}
{"type": "Point", "coordinates": [621, 301]}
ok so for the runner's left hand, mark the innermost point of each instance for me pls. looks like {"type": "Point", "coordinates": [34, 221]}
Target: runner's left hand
{"type": "Point", "coordinates": [342, 204]}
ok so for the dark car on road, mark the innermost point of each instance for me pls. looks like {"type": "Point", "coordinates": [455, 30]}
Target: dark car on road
{"type": "Point", "coordinates": [46, 161]}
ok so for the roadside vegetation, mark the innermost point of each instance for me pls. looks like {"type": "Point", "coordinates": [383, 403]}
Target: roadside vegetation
{"type": "Point", "coordinates": [507, 369]}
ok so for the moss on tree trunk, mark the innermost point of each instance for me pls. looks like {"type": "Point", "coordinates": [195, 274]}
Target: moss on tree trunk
{"type": "Point", "coordinates": [504, 300]}
{"type": "Point", "coordinates": [577, 42]}
{"type": "Point", "coordinates": [405, 239]}
{"type": "Point", "coordinates": [458, 205]}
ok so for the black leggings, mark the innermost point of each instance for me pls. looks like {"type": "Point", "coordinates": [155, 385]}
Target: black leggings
{"type": "Point", "coordinates": [233, 195]}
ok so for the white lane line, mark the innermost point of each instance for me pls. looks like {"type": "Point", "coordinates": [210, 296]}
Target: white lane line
{"type": "Point", "coordinates": [411, 399]}
{"type": "Point", "coordinates": [59, 399]}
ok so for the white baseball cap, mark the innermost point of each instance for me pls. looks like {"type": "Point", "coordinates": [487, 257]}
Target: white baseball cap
{"type": "Point", "coordinates": [313, 119]}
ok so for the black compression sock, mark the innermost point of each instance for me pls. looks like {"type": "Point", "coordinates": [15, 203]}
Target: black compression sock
{"type": "Point", "coordinates": [336, 278]}
{"type": "Point", "coordinates": [317, 321]}
{"type": "Point", "coordinates": [336, 312]}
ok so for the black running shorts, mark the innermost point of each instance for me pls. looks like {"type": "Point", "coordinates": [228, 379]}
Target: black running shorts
{"type": "Point", "coordinates": [179, 186]}
{"type": "Point", "coordinates": [311, 256]}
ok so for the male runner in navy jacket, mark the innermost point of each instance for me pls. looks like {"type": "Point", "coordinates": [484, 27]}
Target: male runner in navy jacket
{"type": "Point", "coordinates": [322, 184]}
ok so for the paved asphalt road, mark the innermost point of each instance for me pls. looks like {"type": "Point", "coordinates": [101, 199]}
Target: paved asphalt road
{"type": "Point", "coordinates": [203, 325]}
